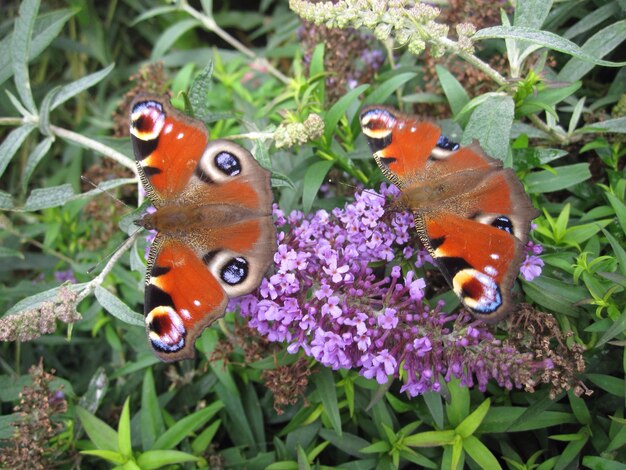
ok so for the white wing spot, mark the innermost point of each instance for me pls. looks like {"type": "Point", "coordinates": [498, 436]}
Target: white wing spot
{"type": "Point", "coordinates": [185, 313]}
{"type": "Point", "coordinates": [491, 271]}
{"type": "Point", "coordinates": [196, 303]}
{"type": "Point", "coordinates": [167, 129]}
{"type": "Point", "coordinates": [494, 256]}
{"type": "Point", "coordinates": [180, 135]}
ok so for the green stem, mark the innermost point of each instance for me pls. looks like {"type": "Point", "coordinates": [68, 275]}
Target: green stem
{"type": "Point", "coordinates": [23, 238]}
{"type": "Point", "coordinates": [94, 145]}
{"type": "Point", "coordinates": [10, 121]}
{"type": "Point", "coordinates": [99, 279]}
{"type": "Point", "coordinates": [556, 133]}
{"type": "Point", "coordinates": [251, 136]}
{"type": "Point", "coordinates": [344, 165]}
{"type": "Point", "coordinates": [210, 24]}
{"type": "Point", "coordinates": [472, 59]}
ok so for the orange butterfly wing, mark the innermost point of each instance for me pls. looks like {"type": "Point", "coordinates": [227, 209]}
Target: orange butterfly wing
{"type": "Point", "coordinates": [471, 214]}
{"type": "Point", "coordinates": [216, 238]}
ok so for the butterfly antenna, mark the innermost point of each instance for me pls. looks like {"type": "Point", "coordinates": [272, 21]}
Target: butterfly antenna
{"type": "Point", "coordinates": [114, 251]}
{"type": "Point", "coordinates": [84, 179]}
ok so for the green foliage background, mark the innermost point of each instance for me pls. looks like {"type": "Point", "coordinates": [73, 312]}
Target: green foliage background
{"type": "Point", "coordinates": [64, 74]}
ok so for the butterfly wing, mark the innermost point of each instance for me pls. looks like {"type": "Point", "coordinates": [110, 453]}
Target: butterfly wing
{"type": "Point", "coordinates": [167, 144]}
{"type": "Point", "coordinates": [471, 214]}
{"type": "Point", "coordinates": [216, 238]}
{"type": "Point", "coordinates": [186, 292]}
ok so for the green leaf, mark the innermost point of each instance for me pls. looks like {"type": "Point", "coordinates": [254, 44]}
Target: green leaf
{"type": "Point", "coordinates": [571, 452]}
{"type": "Point", "coordinates": [237, 425]}
{"type": "Point", "coordinates": [349, 443]}
{"type": "Point", "coordinates": [459, 406]}
{"type": "Point", "coordinates": [509, 419]}
{"type": "Point", "coordinates": [618, 439]}
{"type": "Point", "coordinates": [598, 45]}
{"type": "Point", "coordinates": [313, 179]}
{"type": "Point", "coordinates": [186, 426]}
{"type": "Point", "coordinates": [34, 158]}
{"type": "Point", "coordinates": [469, 425]}
{"type": "Point", "coordinates": [433, 402]}
{"type": "Point", "coordinates": [150, 417]}
{"type": "Point", "coordinates": [254, 412]}
{"type": "Point", "coordinates": [70, 90]}
{"type": "Point", "coordinates": [316, 68]}
{"type": "Point", "coordinates": [12, 143]}
{"type": "Point", "coordinates": [430, 439]}
{"type": "Point", "coordinates": [10, 253]}
{"type": "Point", "coordinates": [531, 13]}
{"type": "Point", "coordinates": [558, 178]}
{"type": "Point", "coordinates": [325, 385]}
{"type": "Point", "coordinates": [117, 308]}
{"type": "Point", "coordinates": [379, 411]}
{"type": "Point", "coordinates": [457, 457]}
{"type": "Point", "coordinates": [423, 97]}
{"type": "Point", "coordinates": [100, 433]}
{"type": "Point", "coordinates": [555, 294]}
{"type": "Point", "coordinates": [620, 209]}
{"type": "Point", "coordinates": [333, 115]}
{"type": "Point", "coordinates": [170, 36]}
{"type": "Point", "coordinates": [201, 443]}
{"type": "Point", "coordinates": [47, 27]}
{"type": "Point", "coordinates": [618, 250]}
{"type": "Point", "coordinates": [613, 385]}
{"type": "Point", "coordinates": [542, 38]}
{"type": "Point", "coordinates": [377, 448]}
{"type": "Point", "coordinates": [43, 198]}
{"type": "Point", "coordinates": [35, 301]}
{"type": "Point", "coordinates": [141, 363]}
{"type": "Point", "coordinates": [44, 111]}
{"type": "Point", "coordinates": [152, 12]}
{"type": "Point", "coordinates": [303, 460]}
{"type": "Point", "coordinates": [590, 461]}
{"type": "Point", "coordinates": [123, 431]}
{"type": "Point", "coordinates": [617, 125]}
{"type": "Point", "coordinates": [6, 201]}
{"type": "Point", "coordinates": [581, 233]}
{"type": "Point", "coordinates": [224, 376]}
{"type": "Point", "coordinates": [20, 51]}
{"type": "Point", "coordinates": [579, 407]}
{"type": "Point", "coordinates": [387, 88]}
{"type": "Point", "coordinates": [109, 455]}
{"type": "Point", "coordinates": [199, 93]}
{"type": "Point", "coordinates": [160, 458]}
{"type": "Point", "coordinates": [454, 91]}
{"type": "Point", "coordinates": [592, 19]}
{"type": "Point", "coordinates": [491, 124]}
{"type": "Point", "coordinates": [545, 99]}
{"type": "Point", "coordinates": [576, 113]}
{"type": "Point", "coordinates": [480, 453]}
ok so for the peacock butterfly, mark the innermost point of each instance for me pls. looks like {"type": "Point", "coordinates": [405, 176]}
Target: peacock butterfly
{"type": "Point", "coordinates": [216, 238]}
{"type": "Point", "coordinates": [471, 214]}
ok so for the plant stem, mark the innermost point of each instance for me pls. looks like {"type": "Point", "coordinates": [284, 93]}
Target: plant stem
{"type": "Point", "coordinates": [94, 145]}
{"type": "Point", "coordinates": [556, 133]}
{"type": "Point", "coordinates": [210, 24]}
{"type": "Point", "coordinates": [99, 279]}
{"type": "Point", "coordinates": [38, 244]}
{"type": "Point", "coordinates": [475, 61]}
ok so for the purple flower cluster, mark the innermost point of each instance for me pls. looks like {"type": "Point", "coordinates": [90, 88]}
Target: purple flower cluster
{"type": "Point", "coordinates": [328, 298]}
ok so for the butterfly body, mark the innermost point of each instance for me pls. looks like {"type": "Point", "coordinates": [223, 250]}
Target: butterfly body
{"type": "Point", "coordinates": [215, 235]}
{"type": "Point", "coordinates": [471, 214]}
